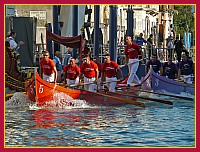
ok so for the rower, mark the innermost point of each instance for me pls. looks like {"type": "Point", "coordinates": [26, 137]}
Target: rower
{"type": "Point", "coordinates": [156, 65]}
{"type": "Point", "coordinates": [91, 73]}
{"type": "Point", "coordinates": [71, 72]}
{"type": "Point", "coordinates": [185, 69]}
{"type": "Point", "coordinates": [109, 70]}
{"type": "Point", "coordinates": [131, 51]}
{"type": "Point", "coordinates": [170, 69]}
{"type": "Point", "coordinates": [48, 68]}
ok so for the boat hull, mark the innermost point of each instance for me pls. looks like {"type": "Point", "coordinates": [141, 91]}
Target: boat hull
{"type": "Point", "coordinates": [102, 100]}
{"type": "Point", "coordinates": [156, 82]}
{"type": "Point", "coordinates": [41, 92]}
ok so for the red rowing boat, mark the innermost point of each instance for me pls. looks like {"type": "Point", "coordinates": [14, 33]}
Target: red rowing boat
{"type": "Point", "coordinates": [41, 92]}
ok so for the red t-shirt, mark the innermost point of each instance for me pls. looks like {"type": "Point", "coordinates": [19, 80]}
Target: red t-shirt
{"type": "Point", "coordinates": [131, 51]}
{"type": "Point", "coordinates": [89, 69]}
{"type": "Point", "coordinates": [110, 69]}
{"type": "Point", "coordinates": [47, 66]}
{"type": "Point", "coordinates": [71, 72]}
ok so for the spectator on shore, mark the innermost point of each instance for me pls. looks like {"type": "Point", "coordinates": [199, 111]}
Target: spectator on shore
{"type": "Point", "coordinates": [149, 45]}
{"type": "Point", "coordinates": [68, 56]}
{"type": "Point", "coordinates": [179, 48]}
{"type": "Point", "coordinates": [13, 44]}
{"type": "Point", "coordinates": [58, 64]}
{"type": "Point", "coordinates": [160, 52]}
{"type": "Point", "coordinates": [170, 47]}
{"type": "Point", "coordinates": [140, 40]}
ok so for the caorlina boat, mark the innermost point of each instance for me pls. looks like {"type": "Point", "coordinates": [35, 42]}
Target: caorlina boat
{"type": "Point", "coordinates": [156, 82]}
{"type": "Point", "coordinates": [42, 92]}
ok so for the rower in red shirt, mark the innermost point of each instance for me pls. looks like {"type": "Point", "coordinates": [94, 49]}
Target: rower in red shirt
{"type": "Point", "coordinates": [131, 52]}
{"type": "Point", "coordinates": [72, 72]}
{"type": "Point", "coordinates": [109, 70]}
{"type": "Point", "coordinates": [48, 68]}
{"type": "Point", "coordinates": [91, 73]}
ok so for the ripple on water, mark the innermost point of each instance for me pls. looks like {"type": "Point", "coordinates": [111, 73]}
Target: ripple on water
{"type": "Point", "coordinates": [87, 125]}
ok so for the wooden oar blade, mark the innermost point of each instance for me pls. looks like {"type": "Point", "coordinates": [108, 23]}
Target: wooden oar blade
{"type": "Point", "coordinates": [129, 101]}
{"type": "Point", "coordinates": [144, 98]}
{"type": "Point", "coordinates": [140, 104]}
{"type": "Point", "coordinates": [170, 95]}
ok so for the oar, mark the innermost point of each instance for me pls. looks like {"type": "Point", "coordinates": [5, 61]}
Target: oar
{"type": "Point", "coordinates": [87, 83]}
{"type": "Point", "coordinates": [76, 85]}
{"type": "Point", "coordinates": [145, 98]}
{"type": "Point", "coordinates": [170, 95]}
{"type": "Point", "coordinates": [140, 104]}
{"type": "Point", "coordinates": [133, 62]}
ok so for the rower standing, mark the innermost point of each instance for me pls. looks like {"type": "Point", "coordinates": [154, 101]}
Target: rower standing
{"type": "Point", "coordinates": [109, 70]}
{"type": "Point", "coordinates": [91, 73]}
{"type": "Point", "coordinates": [132, 50]}
{"type": "Point", "coordinates": [71, 72]}
{"type": "Point", "coordinates": [48, 68]}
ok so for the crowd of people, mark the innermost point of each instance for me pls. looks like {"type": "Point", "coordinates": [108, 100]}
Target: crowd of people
{"type": "Point", "coordinates": [173, 49]}
{"type": "Point", "coordinates": [182, 70]}
{"type": "Point", "coordinates": [93, 74]}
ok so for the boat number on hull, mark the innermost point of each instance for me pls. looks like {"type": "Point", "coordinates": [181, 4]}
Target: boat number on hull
{"type": "Point", "coordinates": [41, 89]}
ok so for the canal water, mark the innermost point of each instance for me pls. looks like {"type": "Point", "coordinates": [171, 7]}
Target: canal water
{"type": "Point", "coordinates": [83, 125]}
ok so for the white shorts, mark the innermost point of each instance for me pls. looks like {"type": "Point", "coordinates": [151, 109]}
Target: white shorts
{"type": "Point", "coordinates": [90, 87]}
{"type": "Point", "coordinates": [75, 81]}
{"type": "Point", "coordinates": [49, 78]}
{"type": "Point", "coordinates": [111, 83]}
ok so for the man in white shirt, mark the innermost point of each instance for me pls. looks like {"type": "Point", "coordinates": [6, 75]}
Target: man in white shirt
{"type": "Point", "coordinates": [12, 42]}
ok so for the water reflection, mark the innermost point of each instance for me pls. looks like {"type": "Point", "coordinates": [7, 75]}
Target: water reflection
{"type": "Point", "coordinates": [100, 126]}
